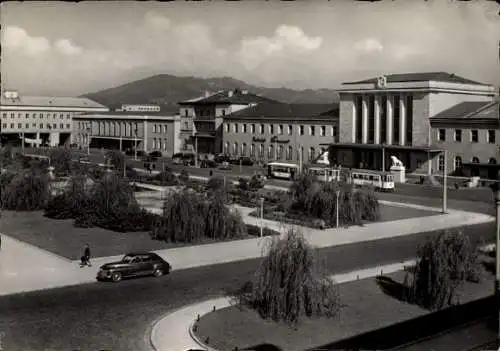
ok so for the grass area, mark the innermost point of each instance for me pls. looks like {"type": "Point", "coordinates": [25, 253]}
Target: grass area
{"type": "Point", "coordinates": [365, 308]}
{"type": "Point", "coordinates": [62, 238]}
{"type": "Point", "coordinates": [387, 214]}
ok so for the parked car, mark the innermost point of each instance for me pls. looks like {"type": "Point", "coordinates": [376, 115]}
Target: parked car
{"type": "Point", "coordinates": [245, 161]}
{"type": "Point", "coordinates": [183, 158]}
{"type": "Point", "coordinates": [134, 264]}
{"type": "Point", "coordinates": [225, 166]}
{"type": "Point", "coordinates": [222, 158]}
{"type": "Point", "coordinates": [155, 154]}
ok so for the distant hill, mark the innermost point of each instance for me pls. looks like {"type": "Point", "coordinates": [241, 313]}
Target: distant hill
{"type": "Point", "coordinates": [168, 90]}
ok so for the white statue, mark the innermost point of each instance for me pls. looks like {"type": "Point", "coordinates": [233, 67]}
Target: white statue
{"type": "Point", "coordinates": [396, 162]}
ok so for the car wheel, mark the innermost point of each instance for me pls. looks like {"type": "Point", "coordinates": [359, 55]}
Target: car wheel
{"type": "Point", "coordinates": [116, 277]}
{"type": "Point", "coordinates": [158, 272]}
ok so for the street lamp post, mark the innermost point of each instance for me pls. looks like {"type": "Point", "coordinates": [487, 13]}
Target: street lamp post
{"type": "Point", "coordinates": [496, 191]}
{"type": "Point", "coordinates": [445, 183]}
{"type": "Point", "coordinates": [261, 217]}
{"type": "Point", "coordinates": [383, 158]}
{"type": "Point", "coordinates": [88, 140]}
{"type": "Point", "coordinates": [337, 208]}
{"type": "Point", "coordinates": [135, 145]}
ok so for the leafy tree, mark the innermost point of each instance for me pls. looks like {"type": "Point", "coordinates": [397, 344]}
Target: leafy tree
{"type": "Point", "coordinates": [116, 159]}
{"type": "Point", "coordinates": [166, 178]}
{"type": "Point", "coordinates": [289, 285]}
{"type": "Point", "coordinates": [215, 183]}
{"type": "Point", "coordinates": [27, 191]}
{"type": "Point", "coordinates": [6, 155]}
{"type": "Point", "coordinates": [60, 159]}
{"type": "Point", "coordinates": [445, 262]}
{"type": "Point", "coordinates": [71, 202]}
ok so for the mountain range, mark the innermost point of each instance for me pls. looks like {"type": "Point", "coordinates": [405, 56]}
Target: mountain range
{"type": "Point", "coordinates": [167, 90]}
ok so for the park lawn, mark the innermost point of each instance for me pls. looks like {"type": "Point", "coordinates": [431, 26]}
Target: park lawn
{"type": "Point", "coordinates": [365, 308]}
{"type": "Point", "coordinates": [387, 213]}
{"type": "Point", "coordinates": [62, 238]}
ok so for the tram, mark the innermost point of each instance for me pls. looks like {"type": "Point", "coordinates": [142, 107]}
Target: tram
{"type": "Point", "coordinates": [325, 174]}
{"type": "Point", "coordinates": [282, 170]}
{"type": "Point", "coordinates": [382, 181]}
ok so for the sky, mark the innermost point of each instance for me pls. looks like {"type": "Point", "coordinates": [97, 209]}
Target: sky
{"type": "Point", "coordinates": [67, 49]}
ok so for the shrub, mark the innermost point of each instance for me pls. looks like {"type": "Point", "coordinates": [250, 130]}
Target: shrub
{"type": "Point", "coordinates": [254, 230]}
{"type": "Point", "coordinates": [444, 263]}
{"type": "Point", "coordinates": [184, 176]}
{"type": "Point", "coordinates": [243, 184]}
{"type": "Point", "coordinates": [28, 191]}
{"type": "Point", "coordinates": [166, 178]}
{"type": "Point", "coordinates": [60, 159]}
{"type": "Point", "coordinates": [215, 183]}
{"type": "Point", "coordinates": [71, 202]}
{"type": "Point", "coordinates": [256, 182]}
{"type": "Point", "coordinates": [289, 284]}
{"type": "Point", "coordinates": [6, 155]}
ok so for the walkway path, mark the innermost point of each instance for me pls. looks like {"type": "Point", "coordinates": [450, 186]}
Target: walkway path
{"type": "Point", "coordinates": [172, 332]}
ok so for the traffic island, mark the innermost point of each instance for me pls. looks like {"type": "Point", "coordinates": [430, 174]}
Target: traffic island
{"type": "Point", "coordinates": [366, 307]}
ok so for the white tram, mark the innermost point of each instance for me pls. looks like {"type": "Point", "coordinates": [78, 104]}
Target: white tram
{"type": "Point", "coordinates": [382, 181]}
{"type": "Point", "coordinates": [325, 174]}
{"type": "Point", "coordinates": [282, 170]}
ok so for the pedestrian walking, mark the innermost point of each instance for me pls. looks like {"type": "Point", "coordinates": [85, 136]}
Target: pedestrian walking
{"type": "Point", "coordinates": [86, 257]}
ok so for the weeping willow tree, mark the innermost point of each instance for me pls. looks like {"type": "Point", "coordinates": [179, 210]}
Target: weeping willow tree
{"type": "Point", "coordinates": [27, 191]}
{"type": "Point", "coordinates": [445, 262]}
{"type": "Point", "coordinates": [289, 284]}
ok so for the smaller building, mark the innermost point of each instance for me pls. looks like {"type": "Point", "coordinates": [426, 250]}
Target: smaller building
{"type": "Point", "coordinates": [281, 132]}
{"type": "Point", "coordinates": [203, 117]}
{"type": "Point", "coordinates": [131, 127]}
{"type": "Point", "coordinates": [470, 132]}
{"type": "Point", "coordinates": [41, 120]}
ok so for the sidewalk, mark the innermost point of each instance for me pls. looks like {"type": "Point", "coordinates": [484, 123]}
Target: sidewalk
{"type": "Point", "coordinates": [173, 331]}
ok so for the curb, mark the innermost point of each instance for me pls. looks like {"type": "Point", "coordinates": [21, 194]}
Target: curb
{"type": "Point", "coordinates": [197, 340]}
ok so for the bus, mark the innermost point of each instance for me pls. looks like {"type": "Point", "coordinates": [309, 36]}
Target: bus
{"type": "Point", "coordinates": [325, 174]}
{"type": "Point", "coordinates": [382, 181]}
{"type": "Point", "coordinates": [282, 170]}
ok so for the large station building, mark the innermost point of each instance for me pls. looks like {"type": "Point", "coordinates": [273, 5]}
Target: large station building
{"type": "Point", "coordinates": [41, 120]}
{"type": "Point", "coordinates": [415, 117]}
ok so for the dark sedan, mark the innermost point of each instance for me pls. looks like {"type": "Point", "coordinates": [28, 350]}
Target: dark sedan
{"type": "Point", "coordinates": [133, 265]}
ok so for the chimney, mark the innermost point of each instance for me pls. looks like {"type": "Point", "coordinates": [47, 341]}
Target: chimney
{"type": "Point", "coordinates": [207, 93]}
{"type": "Point", "coordinates": [230, 93]}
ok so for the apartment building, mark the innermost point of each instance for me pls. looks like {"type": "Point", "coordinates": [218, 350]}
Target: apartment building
{"type": "Point", "coordinates": [41, 120]}
{"type": "Point", "coordinates": [142, 127]}
{"type": "Point", "coordinates": [202, 117]}
{"type": "Point", "coordinates": [393, 116]}
{"type": "Point", "coordinates": [281, 132]}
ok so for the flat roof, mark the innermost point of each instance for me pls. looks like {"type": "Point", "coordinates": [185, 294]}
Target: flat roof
{"type": "Point", "coordinates": [287, 111]}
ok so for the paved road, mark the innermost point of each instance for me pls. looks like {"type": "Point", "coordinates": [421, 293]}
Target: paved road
{"type": "Point", "coordinates": [107, 316]}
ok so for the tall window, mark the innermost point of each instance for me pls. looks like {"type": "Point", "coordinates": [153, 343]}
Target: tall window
{"type": "Point", "coordinates": [270, 151]}
{"type": "Point", "coordinates": [312, 130]}
{"type": "Point", "coordinates": [290, 129]}
{"type": "Point", "coordinates": [165, 144]}
{"type": "Point", "coordinates": [442, 134]}
{"type": "Point", "coordinates": [261, 151]}
{"type": "Point", "coordinates": [395, 123]}
{"type": "Point", "coordinates": [301, 130]}
{"type": "Point", "coordinates": [475, 159]}
{"type": "Point", "coordinates": [289, 153]}
{"type": "Point", "coordinates": [383, 119]}
{"type": "Point", "coordinates": [252, 150]}
{"type": "Point", "coordinates": [359, 118]}
{"type": "Point", "coordinates": [235, 149]}
{"type": "Point", "coordinates": [371, 119]}
{"type": "Point", "coordinates": [491, 136]}
{"type": "Point", "coordinates": [252, 129]}
{"type": "Point", "coordinates": [458, 163]}
{"type": "Point", "coordinates": [261, 129]}
{"type": "Point", "coordinates": [280, 152]}
{"type": "Point", "coordinates": [227, 127]}
{"type": "Point", "coordinates": [235, 127]}
{"type": "Point", "coordinates": [474, 136]}
{"type": "Point", "coordinates": [154, 143]}
{"type": "Point", "coordinates": [280, 129]}
{"type": "Point", "coordinates": [271, 129]}
{"type": "Point", "coordinates": [409, 120]}
{"type": "Point", "coordinates": [226, 148]}
{"type": "Point", "coordinates": [458, 135]}
{"type": "Point", "coordinates": [311, 153]}
{"type": "Point", "coordinates": [244, 128]}
{"type": "Point", "coordinates": [243, 149]}
{"type": "Point", "coordinates": [322, 131]}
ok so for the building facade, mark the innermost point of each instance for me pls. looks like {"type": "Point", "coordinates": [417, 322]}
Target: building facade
{"type": "Point", "coordinates": [470, 133]}
{"type": "Point", "coordinates": [132, 127]}
{"type": "Point", "coordinates": [391, 116]}
{"type": "Point", "coordinates": [41, 120]}
{"type": "Point", "coordinates": [202, 118]}
{"type": "Point", "coordinates": [281, 132]}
